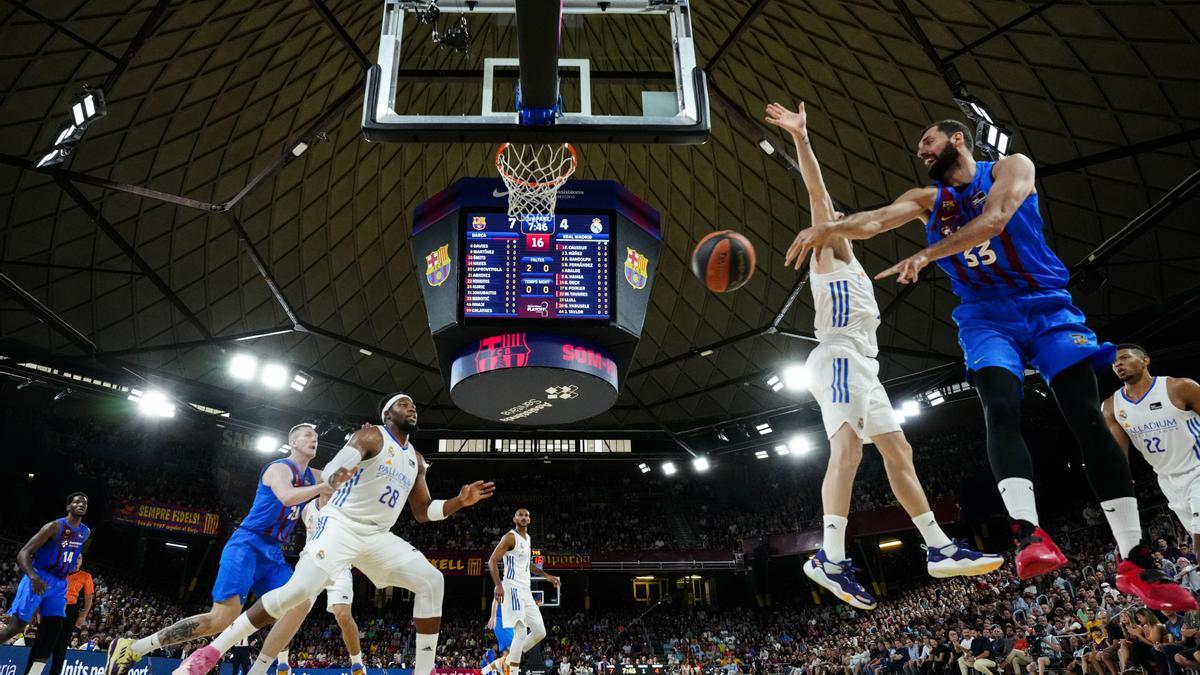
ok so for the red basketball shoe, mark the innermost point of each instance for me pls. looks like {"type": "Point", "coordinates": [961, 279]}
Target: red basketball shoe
{"type": "Point", "coordinates": [1037, 553]}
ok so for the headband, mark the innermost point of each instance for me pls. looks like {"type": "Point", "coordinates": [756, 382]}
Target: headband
{"type": "Point", "coordinates": [391, 402]}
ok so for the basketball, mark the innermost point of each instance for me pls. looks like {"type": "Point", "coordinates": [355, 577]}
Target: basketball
{"type": "Point", "coordinates": [723, 261]}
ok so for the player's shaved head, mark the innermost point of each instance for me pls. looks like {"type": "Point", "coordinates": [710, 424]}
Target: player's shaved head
{"type": "Point", "coordinates": [1133, 348]}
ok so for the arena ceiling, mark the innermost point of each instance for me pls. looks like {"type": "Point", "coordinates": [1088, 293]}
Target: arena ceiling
{"type": "Point", "coordinates": [183, 223]}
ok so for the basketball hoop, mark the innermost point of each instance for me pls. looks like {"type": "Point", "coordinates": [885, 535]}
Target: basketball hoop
{"type": "Point", "coordinates": [533, 173]}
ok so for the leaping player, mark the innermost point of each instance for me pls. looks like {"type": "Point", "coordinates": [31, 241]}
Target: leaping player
{"type": "Point", "coordinates": [1160, 416]}
{"type": "Point", "coordinates": [46, 559]}
{"type": "Point", "coordinates": [518, 610]}
{"type": "Point", "coordinates": [252, 558]}
{"type": "Point", "coordinates": [374, 475]}
{"type": "Point", "coordinates": [984, 230]}
{"type": "Point", "coordinates": [854, 405]}
{"type": "Point", "coordinates": [495, 660]}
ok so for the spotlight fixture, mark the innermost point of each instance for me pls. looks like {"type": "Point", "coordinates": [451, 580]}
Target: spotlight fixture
{"type": "Point", "coordinates": [300, 381]}
{"type": "Point", "coordinates": [934, 397]}
{"type": "Point", "coordinates": [62, 394]}
{"type": "Point", "coordinates": [782, 450]}
{"type": "Point", "coordinates": [799, 445]}
{"type": "Point", "coordinates": [795, 377]}
{"type": "Point", "coordinates": [86, 108]}
{"type": "Point", "coordinates": [266, 443]}
{"type": "Point", "coordinates": [643, 468]}
{"type": "Point", "coordinates": [274, 376]}
{"type": "Point", "coordinates": [722, 435]}
{"type": "Point", "coordinates": [152, 403]}
{"type": "Point", "coordinates": [668, 468]}
{"type": "Point", "coordinates": [764, 428]}
{"type": "Point", "coordinates": [774, 383]}
{"type": "Point", "coordinates": [760, 454]}
{"type": "Point", "coordinates": [700, 464]}
{"type": "Point", "coordinates": [993, 139]}
{"type": "Point", "coordinates": [907, 409]}
{"type": "Point", "coordinates": [243, 367]}
{"type": "Point", "coordinates": [24, 384]}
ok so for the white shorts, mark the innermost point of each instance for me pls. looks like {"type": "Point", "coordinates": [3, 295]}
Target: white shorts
{"type": "Point", "coordinates": [336, 544]}
{"type": "Point", "coordinates": [1182, 491]}
{"type": "Point", "coordinates": [340, 590]}
{"type": "Point", "coordinates": [846, 385]}
{"type": "Point", "coordinates": [518, 605]}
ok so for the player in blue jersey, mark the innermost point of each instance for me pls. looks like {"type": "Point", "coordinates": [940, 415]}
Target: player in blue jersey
{"type": "Point", "coordinates": [46, 559]}
{"type": "Point", "coordinates": [494, 660]}
{"type": "Point", "coordinates": [253, 556]}
{"type": "Point", "coordinates": [984, 230]}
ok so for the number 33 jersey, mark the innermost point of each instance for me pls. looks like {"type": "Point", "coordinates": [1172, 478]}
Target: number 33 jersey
{"type": "Point", "coordinates": [375, 495]}
{"type": "Point", "coordinates": [1016, 261]}
{"type": "Point", "coordinates": [1169, 438]}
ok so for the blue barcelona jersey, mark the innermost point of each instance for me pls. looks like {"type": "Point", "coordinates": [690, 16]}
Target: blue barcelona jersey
{"type": "Point", "coordinates": [60, 555]}
{"type": "Point", "coordinates": [268, 516]}
{"type": "Point", "coordinates": [1016, 261]}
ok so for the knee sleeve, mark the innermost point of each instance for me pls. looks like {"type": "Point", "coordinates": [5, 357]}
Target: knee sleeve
{"type": "Point", "coordinates": [304, 586]}
{"type": "Point", "coordinates": [1000, 394]}
{"type": "Point", "coordinates": [428, 587]}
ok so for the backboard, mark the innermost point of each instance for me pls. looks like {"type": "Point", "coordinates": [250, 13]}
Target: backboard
{"type": "Point", "coordinates": [536, 71]}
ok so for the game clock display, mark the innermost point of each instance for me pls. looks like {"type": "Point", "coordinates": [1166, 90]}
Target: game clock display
{"type": "Point", "coordinates": [537, 266]}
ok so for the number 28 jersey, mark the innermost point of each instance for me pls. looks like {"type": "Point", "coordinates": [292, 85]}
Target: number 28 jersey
{"type": "Point", "coordinates": [374, 497]}
{"type": "Point", "coordinates": [1169, 438]}
{"type": "Point", "coordinates": [1017, 260]}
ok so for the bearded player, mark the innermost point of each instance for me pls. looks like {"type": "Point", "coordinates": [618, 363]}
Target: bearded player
{"type": "Point", "coordinates": [375, 475]}
{"type": "Point", "coordinates": [984, 229]}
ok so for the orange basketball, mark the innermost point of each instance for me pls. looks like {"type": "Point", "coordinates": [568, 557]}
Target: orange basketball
{"type": "Point", "coordinates": [723, 261]}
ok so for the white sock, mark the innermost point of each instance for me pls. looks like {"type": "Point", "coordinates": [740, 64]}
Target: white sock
{"type": "Point", "coordinates": [1017, 494]}
{"type": "Point", "coordinates": [282, 658]}
{"type": "Point", "coordinates": [36, 667]}
{"type": "Point", "coordinates": [1123, 519]}
{"type": "Point", "coordinates": [146, 645]}
{"type": "Point", "coordinates": [931, 532]}
{"type": "Point", "coordinates": [261, 664]}
{"type": "Point", "coordinates": [238, 631]}
{"type": "Point", "coordinates": [426, 649]}
{"type": "Point", "coordinates": [834, 543]}
{"type": "Point", "coordinates": [355, 660]}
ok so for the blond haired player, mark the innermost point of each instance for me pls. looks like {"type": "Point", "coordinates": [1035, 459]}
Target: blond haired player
{"type": "Point", "coordinates": [854, 405]}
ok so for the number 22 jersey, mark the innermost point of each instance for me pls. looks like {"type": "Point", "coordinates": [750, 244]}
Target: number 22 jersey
{"type": "Point", "coordinates": [1016, 261]}
{"type": "Point", "coordinates": [375, 495]}
{"type": "Point", "coordinates": [1169, 438]}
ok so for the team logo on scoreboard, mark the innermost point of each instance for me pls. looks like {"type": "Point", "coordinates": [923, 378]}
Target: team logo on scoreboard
{"type": "Point", "coordinates": [478, 222]}
{"type": "Point", "coordinates": [636, 266]}
{"type": "Point", "coordinates": [502, 351]}
{"type": "Point", "coordinates": [437, 266]}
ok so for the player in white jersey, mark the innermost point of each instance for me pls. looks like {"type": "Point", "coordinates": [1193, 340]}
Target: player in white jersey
{"type": "Point", "coordinates": [844, 378]}
{"type": "Point", "coordinates": [1159, 416]}
{"type": "Point", "coordinates": [375, 475]}
{"type": "Point", "coordinates": [517, 608]}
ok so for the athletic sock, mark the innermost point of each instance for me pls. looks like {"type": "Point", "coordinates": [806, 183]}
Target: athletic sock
{"type": "Point", "coordinates": [834, 543]}
{"type": "Point", "coordinates": [1123, 519]}
{"type": "Point", "coordinates": [426, 649]}
{"type": "Point", "coordinates": [238, 631]}
{"type": "Point", "coordinates": [146, 645]}
{"type": "Point", "coordinates": [355, 660]}
{"type": "Point", "coordinates": [1019, 501]}
{"type": "Point", "coordinates": [932, 533]}
{"type": "Point", "coordinates": [36, 667]}
{"type": "Point", "coordinates": [261, 664]}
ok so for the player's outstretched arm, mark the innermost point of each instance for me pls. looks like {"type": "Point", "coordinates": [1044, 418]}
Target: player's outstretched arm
{"type": "Point", "coordinates": [914, 204]}
{"type": "Point", "coordinates": [279, 478]}
{"type": "Point", "coordinates": [534, 569]}
{"type": "Point", "coordinates": [1014, 176]}
{"type": "Point", "coordinates": [507, 543]}
{"type": "Point", "coordinates": [427, 509]}
{"type": "Point", "coordinates": [1114, 427]}
{"type": "Point", "coordinates": [25, 555]}
{"type": "Point", "coordinates": [364, 444]}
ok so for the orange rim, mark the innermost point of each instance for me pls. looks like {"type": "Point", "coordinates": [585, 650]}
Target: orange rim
{"type": "Point", "coordinates": [536, 184]}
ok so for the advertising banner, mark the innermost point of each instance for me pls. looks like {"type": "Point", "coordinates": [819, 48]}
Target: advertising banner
{"type": "Point", "coordinates": [167, 517]}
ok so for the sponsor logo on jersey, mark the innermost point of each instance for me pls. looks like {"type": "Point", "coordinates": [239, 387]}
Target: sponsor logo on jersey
{"type": "Point", "coordinates": [636, 266]}
{"type": "Point", "coordinates": [437, 265]}
{"type": "Point", "coordinates": [393, 473]}
{"type": "Point", "coordinates": [1153, 426]}
{"type": "Point", "coordinates": [978, 199]}
{"type": "Point", "coordinates": [1079, 338]}
{"type": "Point", "coordinates": [1122, 414]}
{"type": "Point", "coordinates": [1157, 405]}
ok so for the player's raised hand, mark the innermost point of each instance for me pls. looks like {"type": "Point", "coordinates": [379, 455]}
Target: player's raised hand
{"type": "Point", "coordinates": [795, 122]}
{"type": "Point", "coordinates": [808, 240]}
{"type": "Point", "coordinates": [476, 492]}
{"type": "Point", "coordinates": [906, 271]}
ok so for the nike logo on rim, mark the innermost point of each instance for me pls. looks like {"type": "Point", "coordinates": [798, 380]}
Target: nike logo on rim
{"type": "Point", "coordinates": [499, 193]}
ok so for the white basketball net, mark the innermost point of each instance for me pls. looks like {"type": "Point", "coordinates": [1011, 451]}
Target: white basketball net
{"type": "Point", "coordinates": [533, 173]}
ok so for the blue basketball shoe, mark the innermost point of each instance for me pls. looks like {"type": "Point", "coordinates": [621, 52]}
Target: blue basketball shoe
{"type": "Point", "coordinates": [839, 579]}
{"type": "Point", "coordinates": [962, 562]}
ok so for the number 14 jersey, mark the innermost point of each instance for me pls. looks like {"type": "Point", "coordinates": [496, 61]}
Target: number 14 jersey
{"type": "Point", "coordinates": [375, 495]}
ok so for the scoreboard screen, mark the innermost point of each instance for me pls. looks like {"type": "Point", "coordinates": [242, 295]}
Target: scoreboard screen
{"type": "Point", "coordinates": [537, 266]}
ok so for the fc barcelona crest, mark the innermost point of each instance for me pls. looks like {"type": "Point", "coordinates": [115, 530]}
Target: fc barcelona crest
{"type": "Point", "coordinates": [636, 266]}
{"type": "Point", "coordinates": [437, 266]}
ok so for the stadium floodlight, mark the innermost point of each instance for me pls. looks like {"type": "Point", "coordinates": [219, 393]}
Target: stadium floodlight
{"type": "Point", "coordinates": [171, 544]}
{"type": "Point", "coordinates": [795, 377]}
{"type": "Point", "coordinates": [774, 383]}
{"type": "Point", "coordinates": [274, 376]}
{"type": "Point", "coordinates": [764, 428]}
{"type": "Point", "coordinates": [643, 468]}
{"type": "Point", "coordinates": [243, 367]}
{"type": "Point", "coordinates": [153, 403]}
{"type": "Point", "coordinates": [300, 381]}
{"type": "Point", "coordinates": [799, 445]}
{"type": "Point", "coordinates": [911, 408]}
{"type": "Point", "coordinates": [888, 544]}
{"type": "Point", "coordinates": [700, 464]}
{"type": "Point", "coordinates": [668, 468]}
{"type": "Point", "coordinates": [935, 397]}
{"type": "Point", "coordinates": [266, 443]}
{"type": "Point", "coordinates": [782, 450]}
{"type": "Point", "coordinates": [992, 138]}
{"type": "Point", "coordinates": [760, 454]}
{"type": "Point", "coordinates": [88, 107]}
{"type": "Point", "coordinates": [54, 157]}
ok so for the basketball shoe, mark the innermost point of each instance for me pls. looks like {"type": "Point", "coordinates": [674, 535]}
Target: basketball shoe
{"type": "Point", "coordinates": [839, 579]}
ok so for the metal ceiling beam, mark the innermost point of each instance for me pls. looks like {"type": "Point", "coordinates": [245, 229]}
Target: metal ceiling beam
{"type": "Point", "coordinates": [47, 315]}
{"type": "Point", "coordinates": [207, 342]}
{"type": "Point", "coordinates": [1000, 31]}
{"type": "Point", "coordinates": [1146, 219]}
{"type": "Point", "coordinates": [947, 70]}
{"type": "Point", "coordinates": [698, 351]}
{"type": "Point", "coordinates": [96, 181]}
{"type": "Point", "coordinates": [153, 19]}
{"type": "Point", "coordinates": [742, 25]}
{"type": "Point", "coordinates": [79, 39]}
{"type": "Point", "coordinates": [340, 32]}
{"type": "Point", "coordinates": [1118, 153]}
{"type": "Point", "coordinates": [102, 223]}
{"type": "Point", "coordinates": [261, 265]}
{"type": "Point", "coordinates": [71, 268]}
{"type": "Point", "coordinates": [330, 335]}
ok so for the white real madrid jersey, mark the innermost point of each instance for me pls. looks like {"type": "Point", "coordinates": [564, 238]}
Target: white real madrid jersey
{"type": "Point", "coordinates": [845, 308]}
{"type": "Point", "coordinates": [516, 562]}
{"type": "Point", "coordinates": [376, 494]}
{"type": "Point", "coordinates": [1169, 438]}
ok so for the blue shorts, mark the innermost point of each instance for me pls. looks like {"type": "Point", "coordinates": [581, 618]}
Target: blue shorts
{"type": "Point", "coordinates": [504, 637]}
{"type": "Point", "coordinates": [53, 602]}
{"type": "Point", "coordinates": [250, 562]}
{"type": "Point", "coordinates": [1042, 329]}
